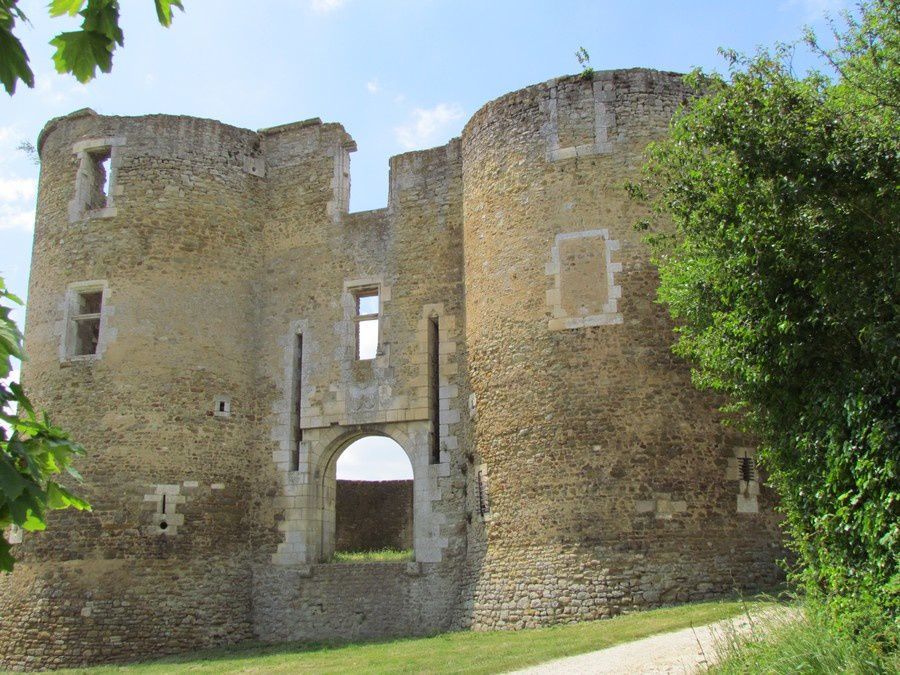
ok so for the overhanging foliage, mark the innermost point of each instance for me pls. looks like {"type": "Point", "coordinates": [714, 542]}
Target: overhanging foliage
{"type": "Point", "coordinates": [32, 450]}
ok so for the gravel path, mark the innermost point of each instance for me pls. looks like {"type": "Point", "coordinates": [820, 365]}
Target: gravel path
{"type": "Point", "coordinates": [684, 651]}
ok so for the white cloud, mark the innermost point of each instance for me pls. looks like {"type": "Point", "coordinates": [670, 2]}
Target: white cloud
{"type": "Point", "coordinates": [17, 203]}
{"type": "Point", "coordinates": [428, 126]}
{"type": "Point", "coordinates": [15, 189]}
{"type": "Point", "coordinates": [16, 219]}
{"type": "Point", "coordinates": [57, 89]}
{"type": "Point", "coordinates": [10, 137]}
{"type": "Point", "coordinates": [374, 458]}
{"type": "Point", "coordinates": [325, 6]}
{"type": "Point", "coordinates": [372, 86]}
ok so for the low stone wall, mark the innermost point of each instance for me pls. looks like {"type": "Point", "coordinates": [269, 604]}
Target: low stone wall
{"type": "Point", "coordinates": [84, 612]}
{"type": "Point", "coordinates": [352, 601]}
{"type": "Point", "coordinates": [372, 515]}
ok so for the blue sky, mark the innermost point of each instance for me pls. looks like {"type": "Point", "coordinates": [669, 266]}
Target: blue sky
{"type": "Point", "coordinates": [398, 74]}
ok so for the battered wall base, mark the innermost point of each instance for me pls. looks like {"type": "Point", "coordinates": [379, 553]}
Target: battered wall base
{"type": "Point", "coordinates": [79, 613]}
{"type": "Point", "coordinates": [542, 586]}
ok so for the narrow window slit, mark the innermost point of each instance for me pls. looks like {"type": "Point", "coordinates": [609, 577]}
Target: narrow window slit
{"type": "Point", "coordinates": [481, 486]}
{"type": "Point", "coordinates": [297, 436]}
{"type": "Point", "coordinates": [748, 469]}
{"type": "Point", "coordinates": [163, 523]}
{"type": "Point", "coordinates": [434, 387]}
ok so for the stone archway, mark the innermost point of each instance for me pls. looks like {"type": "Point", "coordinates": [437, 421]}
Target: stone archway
{"type": "Point", "coordinates": [326, 488]}
{"type": "Point", "coordinates": [371, 500]}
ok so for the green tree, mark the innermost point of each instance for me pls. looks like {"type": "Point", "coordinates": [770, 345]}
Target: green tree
{"type": "Point", "coordinates": [780, 272]}
{"type": "Point", "coordinates": [32, 450]}
{"type": "Point", "coordinates": [79, 52]}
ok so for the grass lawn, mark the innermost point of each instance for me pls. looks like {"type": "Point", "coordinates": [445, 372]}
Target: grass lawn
{"type": "Point", "coordinates": [384, 555]}
{"type": "Point", "coordinates": [462, 652]}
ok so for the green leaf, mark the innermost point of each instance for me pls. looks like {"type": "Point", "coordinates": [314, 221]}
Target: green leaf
{"type": "Point", "coordinates": [103, 17]}
{"type": "Point", "coordinates": [6, 560]}
{"type": "Point", "coordinates": [33, 522]}
{"type": "Point", "coordinates": [80, 53]}
{"type": "Point", "coordinates": [12, 484]}
{"type": "Point", "coordinates": [13, 62]}
{"type": "Point", "coordinates": [164, 10]}
{"type": "Point", "coordinates": [60, 498]}
{"type": "Point", "coordinates": [70, 7]}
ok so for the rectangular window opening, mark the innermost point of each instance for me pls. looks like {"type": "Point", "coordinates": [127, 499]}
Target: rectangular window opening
{"type": "Point", "coordinates": [297, 437]}
{"type": "Point", "coordinates": [366, 319]}
{"type": "Point", "coordinates": [434, 386]}
{"type": "Point", "coordinates": [100, 168]}
{"type": "Point", "coordinates": [86, 317]}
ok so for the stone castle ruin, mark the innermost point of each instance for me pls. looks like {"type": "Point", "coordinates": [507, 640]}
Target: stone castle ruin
{"type": "Point", "coordinates": [200, 301]}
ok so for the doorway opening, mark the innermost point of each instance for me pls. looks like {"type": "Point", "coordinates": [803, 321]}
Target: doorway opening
{"type": "Point", "coordinates": [373, 502]}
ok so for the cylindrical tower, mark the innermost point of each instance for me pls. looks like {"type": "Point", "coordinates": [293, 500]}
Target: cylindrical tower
{"type": "Point", "coordinates": [609, 479]}
{"type": "Point", "coordinates": [140, 339]}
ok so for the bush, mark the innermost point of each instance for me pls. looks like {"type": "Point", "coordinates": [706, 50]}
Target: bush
{"type": "Point", "coordinates": [780, 272]}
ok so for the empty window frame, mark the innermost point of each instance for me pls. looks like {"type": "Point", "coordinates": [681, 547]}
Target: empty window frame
{"type": "Point", "coordinates": [366, 315]}
{"type": "Point", "coordinates": [85, 311]}
{"type": "Point", "coordinates": [95, 182]}
{"type": "Point", "coordinates": [98, 168]}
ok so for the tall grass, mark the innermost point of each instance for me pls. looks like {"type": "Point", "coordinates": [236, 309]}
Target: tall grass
{"type": "Point", "coordinates": [806, 641]}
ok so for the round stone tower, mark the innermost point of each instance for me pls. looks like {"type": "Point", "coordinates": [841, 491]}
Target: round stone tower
{"type": "Point", "coordinates": [607, 479]}
{"type": "Point", "coordinates": [139, 341]}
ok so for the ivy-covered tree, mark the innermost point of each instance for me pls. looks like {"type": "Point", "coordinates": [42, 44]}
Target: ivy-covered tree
{"type": "Point", "coordinates": [781, 274]}
{"type": "Point", "coordinates": [32, 450]}
{"type": "Point", "coordinates": [78, 52]}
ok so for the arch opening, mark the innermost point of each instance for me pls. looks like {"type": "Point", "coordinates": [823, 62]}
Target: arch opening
{"type": "Point", "coordinates": [373, 501]}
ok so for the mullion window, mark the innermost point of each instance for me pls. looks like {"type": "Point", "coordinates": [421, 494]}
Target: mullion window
{"type": "Point", "coordinates": [366, 320]}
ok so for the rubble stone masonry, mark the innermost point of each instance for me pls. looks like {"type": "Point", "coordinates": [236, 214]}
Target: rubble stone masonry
{"type": "Point", "coordinates": [564, 467]}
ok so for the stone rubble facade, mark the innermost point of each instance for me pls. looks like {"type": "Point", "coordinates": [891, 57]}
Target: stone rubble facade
{"type": "Point", "coordinates": [564, 467]}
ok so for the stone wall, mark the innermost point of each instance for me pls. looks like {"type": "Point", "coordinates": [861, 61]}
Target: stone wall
{"type": "Point", "coordinates": [374, 515]}
{"type": "Point", "coordinates": [76, 612]}
{"type": "Point", "coordinates": [352, 601]}
{"type": "Point", "coordinates": [564, 466]}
